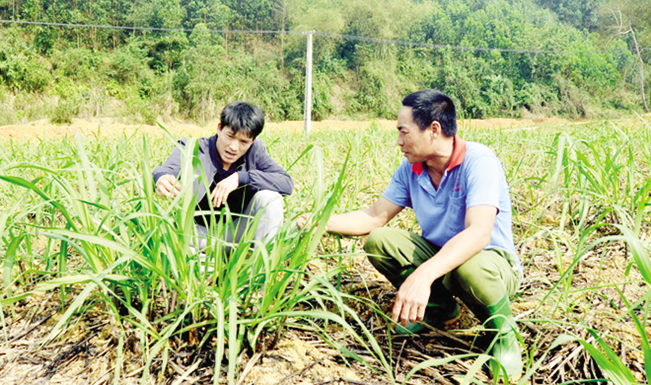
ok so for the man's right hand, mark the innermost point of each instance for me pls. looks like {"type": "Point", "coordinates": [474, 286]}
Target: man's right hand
{"type": "Point", "coordinates": [168, 186]}
{"type": "Point", "coordinates": [302, 221]}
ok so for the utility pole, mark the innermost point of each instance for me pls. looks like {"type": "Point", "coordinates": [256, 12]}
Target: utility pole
{"type": "Point", "coordinates": [308, 83]}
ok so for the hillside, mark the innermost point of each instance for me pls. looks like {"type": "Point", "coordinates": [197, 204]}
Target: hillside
{"type": "Point", "coordinates": [497, 58]}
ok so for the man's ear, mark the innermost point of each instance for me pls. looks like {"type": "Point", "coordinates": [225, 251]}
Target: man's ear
{"type": "Point", "coordinates": [219, 127]}
{"type": "Point", "coordinates": [435, 129]}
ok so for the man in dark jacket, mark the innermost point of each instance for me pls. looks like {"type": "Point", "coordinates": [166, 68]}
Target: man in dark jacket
{"type": "Point", "coordinates": [240, 172]}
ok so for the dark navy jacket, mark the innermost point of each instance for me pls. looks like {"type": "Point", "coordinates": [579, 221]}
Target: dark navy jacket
{"type": "Point", "coordinates": [256, 171]}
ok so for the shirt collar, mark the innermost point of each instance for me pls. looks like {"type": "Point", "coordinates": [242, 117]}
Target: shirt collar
{"type": "Point", "coordinates": [458, 153]}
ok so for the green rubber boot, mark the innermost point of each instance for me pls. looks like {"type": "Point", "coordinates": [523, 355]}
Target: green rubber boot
{"type": "Point", "coordinates": [436, 315]}
{"type": "Point", "coordinates": [505, 347]}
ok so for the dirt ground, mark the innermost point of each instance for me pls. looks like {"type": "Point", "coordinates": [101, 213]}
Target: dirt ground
{"type": "Point", "coordinates": [107, 126]}
{"type": "Point", "coordinates": [86, 353]}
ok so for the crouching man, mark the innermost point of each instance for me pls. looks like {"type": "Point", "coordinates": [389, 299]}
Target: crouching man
{"type": "Point", "coordinates": [460, 197]}
{"type": "Point", "coordinates": [240, 173]}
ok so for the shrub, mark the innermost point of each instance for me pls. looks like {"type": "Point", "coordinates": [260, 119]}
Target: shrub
{"type": "Point", "coordinates": [76, 63]}
{"type": "Point", "coordinates": [373, 95]}
{"type": "Point", "coordinates": [21, 69]}
{"type": "Point", "coordinates": [128, 63]}
{"type": "Point", "coordinates": [65, 111]}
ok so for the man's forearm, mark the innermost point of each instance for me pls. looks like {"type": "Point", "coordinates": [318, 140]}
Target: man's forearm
{"type": "Point", "coordinates": [172, 165]}
{"type": "Point", "coordinates": [354, 223]}
{"type": "Point", "coordinates": [362, 222]}
{"type": "Point", "coordinates": [278, 181]}
{"type": "Point", "coordinates": [453, 254]}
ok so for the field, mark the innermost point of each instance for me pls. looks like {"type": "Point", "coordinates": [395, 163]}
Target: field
{"type": "Point", "coordinates": [99, 285]}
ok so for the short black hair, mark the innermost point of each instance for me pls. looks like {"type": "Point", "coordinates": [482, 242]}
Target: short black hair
{"type": "Point", "coordinates": [243, 117]}
{"type": "Point", "coordinates": [432, 105]}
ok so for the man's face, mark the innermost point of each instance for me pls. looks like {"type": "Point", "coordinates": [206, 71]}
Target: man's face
{"type": "Point", "coordinates": [232, 145]}
{"type": "Point", "coordinates": [414, 143]}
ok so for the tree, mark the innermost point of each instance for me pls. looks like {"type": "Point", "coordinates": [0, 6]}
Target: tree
{"type": "Point", "coordinates": [582, 14]}
{"type": "Point", "coordinates": [624, 27]}
{"type": "Point", "coordinates": [212, 13]}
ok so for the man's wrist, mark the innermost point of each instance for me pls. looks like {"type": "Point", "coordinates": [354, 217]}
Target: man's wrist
{"type": "Point", "coordinates": [424, 273]}
{"type": "Point", "coordinates": [243, 178]}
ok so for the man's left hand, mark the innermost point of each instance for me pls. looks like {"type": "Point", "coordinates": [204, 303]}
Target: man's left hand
{"type": "Point", "coordinates": [220, 192]}
{"type": "Point", "coordinates": [411, 300]}
{"type": "Point", "coordinates": [302, 220]}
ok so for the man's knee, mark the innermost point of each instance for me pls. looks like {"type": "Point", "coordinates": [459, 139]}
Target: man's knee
{"type": "Point", "coordinates": [375, 242]}
{"type": "Point", "coordinates": [479, 281]}
{"type": "Point", "coordinates": [269, 201]}
{"type": "Point", "coordinates": [468, 273]}
{"type": "Point", "coordinates": [271, 204]}
{"type": "Point", "coordinates": [376, 250]}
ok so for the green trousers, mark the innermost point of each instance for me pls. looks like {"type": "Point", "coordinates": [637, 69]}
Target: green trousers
{"type": "Point", "coordinates": [482, 280]}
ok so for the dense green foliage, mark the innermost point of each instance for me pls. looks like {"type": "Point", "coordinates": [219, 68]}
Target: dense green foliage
{"type": "Point", "coordinates": [583, 14]}
{"type": "Point", "coordinates": [62, 72]}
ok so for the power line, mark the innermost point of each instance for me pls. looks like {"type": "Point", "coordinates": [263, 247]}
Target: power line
{"type": "Point", "coordinates": [317, 33]}
{"type": "Point", "coordinates": [452, 47]}
{"type": "Point", "coordinates": [154, 29]}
